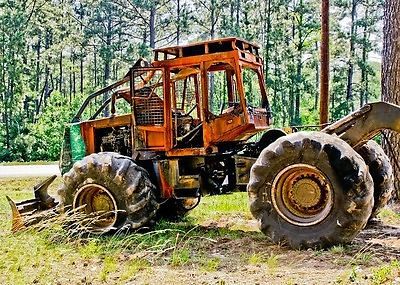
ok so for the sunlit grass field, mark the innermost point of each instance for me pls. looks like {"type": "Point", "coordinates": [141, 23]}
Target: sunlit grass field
{"type": "Point", "coordinates": [52, 254]}
{"type": "Point", "coordinates": [214, 242]}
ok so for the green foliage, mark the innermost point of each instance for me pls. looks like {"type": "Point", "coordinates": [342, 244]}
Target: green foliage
{"type": "Point", "coordinates": [42, 139]}
{"type": "Point", "coordinates": [55, 53]}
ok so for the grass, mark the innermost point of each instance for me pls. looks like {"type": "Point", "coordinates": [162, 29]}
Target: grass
{"type": "Point", "coordinates": [387, 273]}
{"type": "Point", "coordinates": [52, 254]}
{"type": "Point", "coordinates": [362, 258]}
{"type": "Point", "coordinates": [180, 257]}
{"type": "Point", "coordinates": [223, 205]}
{"type": "Point", "coordinates": [388, 216]}
{"type": "Point", "coordinates": [215, 237]}
{"type": "Point", "coordinates": [210, 264]}
{"type": "Point", "coordinates": [132, 267]}
{"type": "Point", "coordinates": [272, 262]}
{"type": "Point", "coordinates": [110, 265]}
{"type": "Point", "coordinates": [337, 249]}
{"type": "Point", "coordinates": [256, 258]}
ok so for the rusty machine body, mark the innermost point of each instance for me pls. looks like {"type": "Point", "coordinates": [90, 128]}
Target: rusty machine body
{"type": "Point", "coordinates": [172, 129]}
{"type": "Point", "coordinates": [158, 143]}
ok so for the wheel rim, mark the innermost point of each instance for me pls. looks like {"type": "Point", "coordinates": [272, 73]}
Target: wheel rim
{"type": "Point", "coordinates": [96, 200]}
{"type": "Point", "coordinates": [302, 195]}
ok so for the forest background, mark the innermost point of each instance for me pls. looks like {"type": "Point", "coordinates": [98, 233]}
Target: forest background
{"type": "Point", "coordinates": [55, 53]}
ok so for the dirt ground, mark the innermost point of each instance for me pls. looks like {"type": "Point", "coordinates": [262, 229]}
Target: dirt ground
{"type": "Point", "coordinates": [218, 243]}
{"type": "Point", "coordinates": [248, 258]}
{"type": "Point", "coordinates": [253, 260]}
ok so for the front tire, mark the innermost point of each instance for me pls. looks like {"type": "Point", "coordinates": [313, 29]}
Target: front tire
{"type": "Point", "coordinates": [112, 186]}
{"type": "Point", "coordinates": [310, 189]}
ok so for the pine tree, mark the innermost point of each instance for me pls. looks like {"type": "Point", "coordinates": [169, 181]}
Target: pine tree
{"type": "Point", "coordinates": [391, 78]}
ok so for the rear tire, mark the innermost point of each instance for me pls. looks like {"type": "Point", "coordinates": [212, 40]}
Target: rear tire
{"type": "Point", "coordinates": [110, 182]}
{"type": "Point", "coordinates": [310, 189]}
{"type": "Point", "coordinates": [381, 172]}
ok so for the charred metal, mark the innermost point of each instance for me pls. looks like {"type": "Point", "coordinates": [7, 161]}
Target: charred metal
{"type": "Point", "coordinates": [164, 135]}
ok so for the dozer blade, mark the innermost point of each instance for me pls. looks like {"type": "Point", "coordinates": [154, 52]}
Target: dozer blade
{"type": "Point", "coordinates": [17, 223]}
{"type": "Point", "coordinates": [26, 213]}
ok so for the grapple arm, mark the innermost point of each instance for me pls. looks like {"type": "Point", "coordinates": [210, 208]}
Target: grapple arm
{"type": "Point", "coordinates": [363, 124]}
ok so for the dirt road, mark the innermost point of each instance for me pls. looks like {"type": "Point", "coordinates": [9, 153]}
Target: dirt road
{"type": "Point", "coordinates": [28, 170]}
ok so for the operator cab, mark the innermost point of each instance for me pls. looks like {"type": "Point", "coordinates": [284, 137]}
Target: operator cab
{"type": "Point", "coordinates": [217, 93]}
{"type": "Point", "coordinates": [189, 101]}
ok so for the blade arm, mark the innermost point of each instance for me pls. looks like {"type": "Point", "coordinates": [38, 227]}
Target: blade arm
{"type": "Point", "coordinates": [362, 125]}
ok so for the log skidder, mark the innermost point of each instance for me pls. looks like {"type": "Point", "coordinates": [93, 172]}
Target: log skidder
{"type": "Point", "coordinates": [310, 189]}
{"type": "Point", "coordinates": [159, 140]}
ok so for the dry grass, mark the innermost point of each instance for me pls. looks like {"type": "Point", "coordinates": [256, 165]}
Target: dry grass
{"type": "Point", "coordinates": [217, 243]}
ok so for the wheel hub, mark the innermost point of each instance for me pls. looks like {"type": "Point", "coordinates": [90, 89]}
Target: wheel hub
{"type": "Point", "coordinates": [97, 201]}
{"type": "Point", "coordinates": [302, 195]}
{"type": "Point", "coordinates": [305, 193]}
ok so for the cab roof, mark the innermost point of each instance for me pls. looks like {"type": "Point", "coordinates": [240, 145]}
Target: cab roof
{"type": "Point", "coordinates": [206, 47]}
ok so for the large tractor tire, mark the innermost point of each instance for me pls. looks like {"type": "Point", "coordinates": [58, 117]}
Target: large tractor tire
{"type": "Point", "coordinates": [310, 189]}
{"type": "Point", "coordinates": [381, 172]}
{"type": "Point", "coordinates": [112, 187]}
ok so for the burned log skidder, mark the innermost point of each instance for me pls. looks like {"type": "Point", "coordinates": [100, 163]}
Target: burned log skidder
{"type": "Point", "coordinates": [178, 128]}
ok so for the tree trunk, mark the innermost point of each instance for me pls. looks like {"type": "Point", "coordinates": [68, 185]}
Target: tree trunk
{"type": "Point", "coordinates": [178, 21]}
{"type": "Point", "coordinates": [364, 71]}
{"type": "Point", "coordinates": [73, 75]}
{"type": "Point", "coordinates": [95, 67]}
{"type": "Point", "coordinates": [70, 84]}
{"type": "Point", "coordinates": [238, 15]}
{"type": "Point", "coordinates": [82, 52]}
{"type": "Point", "coordinates": [299, 65]}
{"type": "Point", "coordinates": [350, 71]}
{"type": "Point", "coordinates": [38, 62]}
{"type": "Point", "coordinates": [152, 27]}
{"type": "Point", "coordinates": [212, 18]}
{"type": "Point", "coordinates": [316, 98]}
{"type": "Point", "coordinates": [81, 72]}
{"type": "Point", "coordinates": [267, 31]}
{"type": "Point", "coordinates": [107, 59]}
{"type": "Point", "coordinates": [291, 74]}
{"type": "Point", "coordinates": [391, 78]}
{"type": "Point", "coordinates": [60, 88]}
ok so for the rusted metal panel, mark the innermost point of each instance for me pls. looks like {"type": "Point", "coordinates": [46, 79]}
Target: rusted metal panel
{"type": "Point", "coordinates": [166, 177]}
{"type": "Point", "coordinates": [173, 183]}
{"type": "Point", "coordinates": [167, 107]}
{"type": "Point", "coordinates": [150, 138]}
{"type": "Point", "coordinates": [88, 129]}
